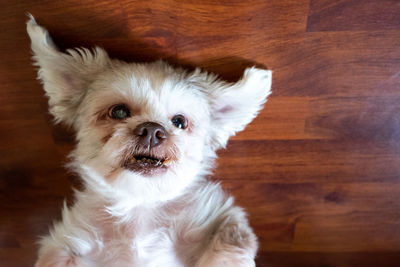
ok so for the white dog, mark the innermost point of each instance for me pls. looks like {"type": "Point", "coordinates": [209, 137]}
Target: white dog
{"type": "Point", "coordinates": [146, 140]}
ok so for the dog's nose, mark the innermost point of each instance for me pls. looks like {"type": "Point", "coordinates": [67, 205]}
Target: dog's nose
{"type": "Point", "coordinates": [150, 134]}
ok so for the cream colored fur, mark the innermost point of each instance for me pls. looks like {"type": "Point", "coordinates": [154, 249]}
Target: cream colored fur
{"type": "Point", "coordinates": [124, 218]}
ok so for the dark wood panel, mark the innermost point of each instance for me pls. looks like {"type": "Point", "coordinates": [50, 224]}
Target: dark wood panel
{"type": "Point", "coordinates": [310, 64]}
{"type": "Point", "coordinates": [332, 117]}
{"type": "Point", "coordinates": [312, 259]}
{"type": "Point", "coordinates": [314, 217]}
{"type": "Point", "coordinates": [345, 15]}
{"type": "Point", "coordinates": [310, 161]}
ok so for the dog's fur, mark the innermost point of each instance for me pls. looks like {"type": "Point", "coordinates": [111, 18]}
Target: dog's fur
{"type": "Point", "coordinates": [130, 218]}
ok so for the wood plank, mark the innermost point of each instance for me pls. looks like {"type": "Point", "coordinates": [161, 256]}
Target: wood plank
{"type": "Point", "coordinates": [293, 161]}
{"type": "Point", "coordinates": [339, 117]}
{"type": "Point", "coordinates": [367, 259]}
{"type": "Point", "coordinates": [345, 15]}
{"type": "Point", "coordinates": [314, 217]}
{"type": "Point", "coordinates": [310, 64]}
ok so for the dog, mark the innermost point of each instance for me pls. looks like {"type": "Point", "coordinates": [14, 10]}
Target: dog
{"type": "Point", "coordinates": [147, 136]}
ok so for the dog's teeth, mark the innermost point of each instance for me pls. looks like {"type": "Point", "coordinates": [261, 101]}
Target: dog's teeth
{"type": "Point", "coordinates": [167, 161]}
{"type": "Point", "coordinates": [147, 161]}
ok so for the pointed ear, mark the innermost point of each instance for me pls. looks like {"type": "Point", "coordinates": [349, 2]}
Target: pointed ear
{"type": "Point", "coordinates": [233, 106]}
{"type": "Point", "coordinates": [65, 76]}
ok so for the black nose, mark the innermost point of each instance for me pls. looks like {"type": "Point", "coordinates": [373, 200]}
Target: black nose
{"type": "Point", "coordinates": [150, 134]}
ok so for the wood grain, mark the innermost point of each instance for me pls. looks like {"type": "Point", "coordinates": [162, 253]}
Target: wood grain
{"type": "Point", "coordinates": [318, 170]}
{"type": "Point", "coordinates": [353, 15]}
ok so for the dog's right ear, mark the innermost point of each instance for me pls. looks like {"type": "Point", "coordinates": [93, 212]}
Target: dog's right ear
{"type": "Point", "coordinates": [65, 76]}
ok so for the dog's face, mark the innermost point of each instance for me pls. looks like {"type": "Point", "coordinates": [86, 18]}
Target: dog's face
{"type": "Point", "coordinates": [144, 127]}
{"type": "Point", "coordinates": [144, 120]}
{"type": "Point", "coordinates": [144, 130]}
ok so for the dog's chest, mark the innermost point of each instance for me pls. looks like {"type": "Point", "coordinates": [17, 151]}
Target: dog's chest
{"type": "Point", "coordinates": [141, 242]}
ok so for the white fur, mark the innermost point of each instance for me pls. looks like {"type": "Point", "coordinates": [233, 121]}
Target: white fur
{"type": "Point", "coordinates": [124, 218]}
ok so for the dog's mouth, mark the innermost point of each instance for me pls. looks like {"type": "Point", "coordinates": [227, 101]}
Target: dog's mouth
{"type": "Point", "coordinates": [147, 164]}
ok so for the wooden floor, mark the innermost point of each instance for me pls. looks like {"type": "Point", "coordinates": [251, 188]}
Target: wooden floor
{"type": "Point", "coordinates": [318, 171]}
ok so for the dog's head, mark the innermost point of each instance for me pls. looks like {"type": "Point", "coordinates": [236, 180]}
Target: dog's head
{"type": "Point", "coordinates": [143, 130]}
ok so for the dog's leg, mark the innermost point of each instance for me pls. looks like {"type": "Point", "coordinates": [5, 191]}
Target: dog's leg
{"type": "Point", "coordinates": [58, 258]}
{"type": "Point", "coordinates": [233, 243]}
{"type": "Point", "coordinates": [54, 252]}
{"type": "Point", "coordinates": [70, 241]}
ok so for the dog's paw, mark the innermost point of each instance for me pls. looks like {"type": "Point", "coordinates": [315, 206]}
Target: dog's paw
{"type": "Point", "coordinates": [59, 258]}
{"type": "Point", "coordinates": [232, 257]}
{"type": "Point", "coordinates": [238, 262]}
{"type": "Point", "coordinates": [231, 262]}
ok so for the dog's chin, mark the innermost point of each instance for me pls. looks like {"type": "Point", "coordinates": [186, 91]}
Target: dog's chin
{"type": "Point", "coordinates": [147, 165]}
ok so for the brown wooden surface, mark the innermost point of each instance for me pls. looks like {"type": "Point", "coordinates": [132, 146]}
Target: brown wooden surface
{"type": "Point", "coordinates": [318, 170]}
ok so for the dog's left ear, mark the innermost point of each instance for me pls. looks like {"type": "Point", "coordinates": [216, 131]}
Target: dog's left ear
{"type": "Point", "coordinates": [233, 106]}
{"type": "Point", "coordinates": [65, 76]}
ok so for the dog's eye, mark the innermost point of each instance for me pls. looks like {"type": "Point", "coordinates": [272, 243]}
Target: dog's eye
{"type": "Point", "coordinates": [179, 121]}
{"type": "Point", "coordinates": [119, 112]}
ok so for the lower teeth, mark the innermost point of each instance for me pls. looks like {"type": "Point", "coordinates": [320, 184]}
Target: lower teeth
{"type": "Point", "coordinates": [155, 162]}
